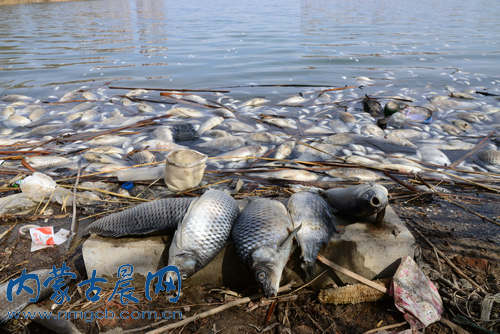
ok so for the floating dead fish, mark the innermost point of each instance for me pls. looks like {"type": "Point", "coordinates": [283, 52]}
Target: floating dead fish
{"type": "Point", "coordinates": [144, 219]}
{"type": "Point", "coordinates": [357, 174]}
{"type": "Point", "coordinates": [284, 150]}
{"type": "Point", "coordinates": [462, 95]}
{"type": "Point", "coordinates": [223, 112]}
{"type": "Point", "coordinates": [472, 117]}
{"type": "Point", "coordinates": [289, 174]}
{"type": "Point", "coordinates": [145, 108]}
{"type": "Point", "coordinates": [209, 124]}
{"type": "Point", "coordinates": [47, 161]}
{"type": "Point", "coordinates": [224, 143]}
{"type": "Point", "coordinates": [372, 106]}
{"type": "Point", "coordinates": [314, 215]}
{"type": "Point", "coordinates": [238, 126]}
{"type": "Point", "coordinates": [280, 122]}
{"type": "Point", "coordinates": [203, 232]}
{"type": "Point", "coordinates": [346, 117]}
{"type": "Point", "coordinates": [444, 102]}
{"type": "Point", "coordinates": [16, 98]}
{"type": "Point", "coordinates": [242, 152]}
{"type": "Point", "coordinates": [293, 101]}
{"type": "Point", "coordinates": [16, 120]}
{"type": "Point", "coordinates": [108, 140]}
{"type": "Point", "coordinates": [461, 124]}
{"type": "Point", "coordinates": [136, 92]}
{"type": "Point", "coordinates": [255, 102]}
{"type": "Point", "coordinates": [491, 157]}
{"type": "Point", "coordinates": [266, 137]}
{"type": "Point", "coordinates": [263, 240]}
{"type": "Point", "coordinates": [185, 112]}
{"type": "Point", "coordinates": [143, 157]}
{"type": "Point", "coordinates": [358, 201]}
{"type": "Point", "coordinates": [90, 96]}
{"type": "Point", "coordinates": [432, 155]}
{"type": "Point", "coordinates": [184, 131]}
{"type": "Point", "coordinates": [69, 96]}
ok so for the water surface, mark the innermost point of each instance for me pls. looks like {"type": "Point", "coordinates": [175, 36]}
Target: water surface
{"type": "Point", "coordinates": [199, 44]}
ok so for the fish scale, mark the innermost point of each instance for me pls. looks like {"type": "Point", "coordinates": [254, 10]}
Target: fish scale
{"type": "Point", "coordinates": [203, 232]}
{"type": "Point", "coordinates": [146, 218]}
{"type": "Point", "coordinates": [263, 239]}
{"type": "Point", "coordinates": [316, 218]}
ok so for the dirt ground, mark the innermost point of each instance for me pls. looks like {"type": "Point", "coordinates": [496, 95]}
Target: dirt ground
{"type": "Point", "coordinates": [468, 241]}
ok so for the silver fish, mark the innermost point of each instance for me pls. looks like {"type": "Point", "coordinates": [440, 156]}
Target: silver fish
{"type": "Point", "coordinates": [263, 240]}
{"type": "Point", "coordinates": [19, 302]}
{"type": "Point", "coordinates": [203, 232]}
{"type": "Point", "coordinates": [315, 216]}
{"type": "Point", "coordinates": [143, 219]}
{"type": "Point", "coordinates": [358, 201]}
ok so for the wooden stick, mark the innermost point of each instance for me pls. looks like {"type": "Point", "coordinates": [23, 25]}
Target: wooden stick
{"type": "Point", "coordinates": [399, 324]}
{"type": "Point", "coordinates": [7, 232]}
{"type": "Point", "coordinates": [351, 274]}
{"type": "Point", "coordinates": [210, 312]}
{"type": "Point", "coordinates": [173, 89]}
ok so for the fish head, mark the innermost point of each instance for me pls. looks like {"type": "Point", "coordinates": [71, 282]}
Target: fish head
{"type": "Point", "coordinates": [185, 262]}
{"type": "Point", "coordinates": [267, 269]}
{"type": "Point", "coordinates": [376, 197]}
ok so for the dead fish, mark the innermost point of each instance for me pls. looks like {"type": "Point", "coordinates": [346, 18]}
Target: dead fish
{"type": "Point", "coordinates": [280, 122]}
{"type": "Point", "coordinates": [111, 150]}
{"type": "Point", "coordinates": [242, 152]}
{"type": "Point", "coordinates": [284, 150]}
{"type": "Point", "coordinates": [263, 240]}
{"type": "Point", "coordinates": [16, 120]}
{"type": "Point", "coordinates": [209, 124]}
{"type": "Point", "coordinates": [223, 112]}
{"type": "Point", "coordinates": [357, 174]}
{"type": "Point", "coordinates": [238, 126]}
{"type": "Point", "coordinates": [314, 215]}
{"type": "Point", "coordinates": [183, 131]}
{"type": "Point", "coordinates": [145, 108]}
{"type": "Point", "coordinates": [108, 140]}
{"type": "Point", "coordinates": [491, 157]}
{"type": "Point", "coordinates": [346, 117]}
{"type": "Point", "coordinates": [69, 96]}
{"type": "Point", "coordinates": [358, 201]}
{"type": "Point", "coordinates": [224, 143]}
{"type": "Point", "coordinates": [372, 106]}
{"type": "Point", "coordinates": [451, 130]}
{"type": "Point", "coordinates": [8, 111]}
{"type": "Point", "coordinates": [266, 137]}
{"type": "Point", "coordinates": [136, 92]}
{"type": "Point", "coordinates": [432, 155]}
{"type": "Point", "coordinates": [185, 112]}
{"type": "Point", "coordinates": [164, 133]}
{"type": "Point", "coordinates": [203, 232]}
{"type": "Point", "coordinates": [16, 98]}
{"type": "Point", "coordinates": [90, 96]}
{"type": "Point", "coordinates": [47, 161]}
{"type": "Point", "coordinates": [101, 158]}
{"type": "Point", "coordinates": [289, 174]}
{"type": "Point", "coordinates": [255, 102]}
{"type": "Point", "coordinates": [19, 302]}
{"type": "Point", "coordinates": [82, 107]}
{"type": "Point", "coordinates": [293, 101]}
{"type": "Point", "coordinates": [472, 117]}
{"type": "Point", "coordinates": [444, 102]}
{"type": "Point", "coordinates": [144, 219]}
{"type": "Point", "coordinates": [142, 157]}
{"type": "Point", "coordinates": [462, 95]}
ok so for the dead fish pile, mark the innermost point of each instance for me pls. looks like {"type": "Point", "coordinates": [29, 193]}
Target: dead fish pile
{"type": "Point", "coordinates": [262, 233]}
{"type": "Point", "coordinates": [343, 124]}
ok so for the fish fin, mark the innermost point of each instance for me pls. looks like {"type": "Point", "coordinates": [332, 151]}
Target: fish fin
{"type": "Point", "coordinates": [290, 236]}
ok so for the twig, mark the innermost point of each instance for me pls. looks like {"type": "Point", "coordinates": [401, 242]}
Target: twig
{"type": "Point", "coordinates": [108, 193]}
{"type": "Point", "coordinates": [173, 89]}
{"type": "Point", "coordinates": [447, 260]}
{"type": "Point", "coordinates": [74, 226]}
{"type": "Point", "coordinates": [481, 143]}
{"type": "Point", "coordinates": [7, 232]}
{"type": "Point", "coordinates": [351, 274]}
{"type": "Point", "coordinates": [456, 328]}
{"type": "Point", "coordinates": [399, 324]}
{"type": "Point", "coordinates": [213, 311]}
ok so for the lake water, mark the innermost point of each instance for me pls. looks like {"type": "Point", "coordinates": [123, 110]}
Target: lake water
{"type": "Point", "coordinates": [50, 47]}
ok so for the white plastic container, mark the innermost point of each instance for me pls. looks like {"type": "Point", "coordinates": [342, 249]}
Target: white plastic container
{"type": "Point", "coordinates": [184, 169]}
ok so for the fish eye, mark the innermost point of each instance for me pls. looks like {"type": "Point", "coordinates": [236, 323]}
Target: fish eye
{"type": "Point", "coordinates": [184, 276]}
{"type": "Point", "coordinates": [261, 275]}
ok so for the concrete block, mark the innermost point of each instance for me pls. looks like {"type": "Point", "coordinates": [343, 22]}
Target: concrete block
{"type": "Point", "coordinates": [369, 249]}
{"type": "Point", "coordinates": [106, 255]}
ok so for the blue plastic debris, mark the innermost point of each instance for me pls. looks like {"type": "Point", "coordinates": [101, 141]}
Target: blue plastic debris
{"type": "Point", "coordinates": [127, 185]}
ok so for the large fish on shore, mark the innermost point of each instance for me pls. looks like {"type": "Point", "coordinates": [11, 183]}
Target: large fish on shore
{"type": "Point", "coordinates": [263, 239]}
{"type": "Point", "coordinates": [315, 216]}
{"type": "Point", "coordinates": [144, 219]}
{"type": "Point", "coordinates": [203, 232]}
{"type": "Point", "coordinates": [359, 201]}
